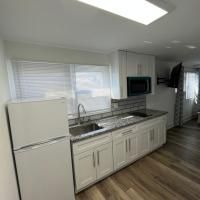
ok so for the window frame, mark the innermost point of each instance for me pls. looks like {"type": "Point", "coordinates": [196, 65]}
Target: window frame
{"type": "Point", "coordinates": [185, 85]}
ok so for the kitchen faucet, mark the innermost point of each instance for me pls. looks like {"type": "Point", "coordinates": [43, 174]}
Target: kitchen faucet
{"type": "Point", "coordinates": [79, 113]}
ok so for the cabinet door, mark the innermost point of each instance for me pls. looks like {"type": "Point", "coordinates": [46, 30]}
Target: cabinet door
{"type": "Point", "coordinates": [85, 169]}
{"type": "Point", "coordinates": [133, 64]}
{"type": "Point", "coordinates": [132, 147]}
{"type": "Point", "coordinates": [104, 160]}
{"type": "Point", "coordinates": [118, 75]}
{"type": "Point", "coordinates": [143, 67]}
{"type": "Point", "coordinates": [162, 133]}
{"type": "Point", "coordinates": [154, 137]}
{"type": "Point", "coordinates": [120, 150]}
{"type": "Point", "coordinates": [143, 142]}
{"type": "Point", "coordinates": [122, 74]}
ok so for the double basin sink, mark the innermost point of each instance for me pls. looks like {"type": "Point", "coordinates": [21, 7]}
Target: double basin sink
{"type": "Point", "coordinates": [91, 127]}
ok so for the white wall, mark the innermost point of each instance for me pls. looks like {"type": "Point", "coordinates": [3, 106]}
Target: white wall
{"type": "Point", "coordinates": [8, 188]}
{"type": "Point", "coordinates": [164, 98]}
{"type": "Point", "coordinates": [53, 54]}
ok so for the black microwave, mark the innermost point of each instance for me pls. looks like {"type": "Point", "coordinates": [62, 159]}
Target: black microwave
{"type": "Point", "coordinates": [138, 86]}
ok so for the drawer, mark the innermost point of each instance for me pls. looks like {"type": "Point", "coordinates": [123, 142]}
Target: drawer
{"type": "Point", "coordinates": [124, 131]}
{"type": "Point", "coordinates": [91, 143]}
{"type": "Point", "coordinates": [152, 122]}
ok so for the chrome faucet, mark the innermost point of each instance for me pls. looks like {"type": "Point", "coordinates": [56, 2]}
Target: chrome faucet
{"type": "Point", "coordinates": [79, 113]}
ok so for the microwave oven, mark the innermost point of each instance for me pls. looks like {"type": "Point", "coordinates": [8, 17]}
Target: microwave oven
{"type": "Point", "coordinates": [138, 86]}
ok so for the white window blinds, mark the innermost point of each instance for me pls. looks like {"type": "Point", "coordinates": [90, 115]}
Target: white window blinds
{"type": "Point", "coordinates": [93, 87]}
{"type": "Point", "coordinates": [89, 85]}
{"type": "Point", "coordinates": [191, 85]}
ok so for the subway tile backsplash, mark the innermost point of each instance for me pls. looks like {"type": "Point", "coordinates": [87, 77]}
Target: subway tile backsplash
{"type": "Point", "coordinates": [118, 107]}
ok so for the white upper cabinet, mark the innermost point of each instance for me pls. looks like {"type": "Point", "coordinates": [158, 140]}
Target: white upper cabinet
{"type": "Point", "coordinates": [118, 75]}
{"type": "Point", "coordinates": [128, 64]}
{"type": "Point", "coordinates": [133, 65]}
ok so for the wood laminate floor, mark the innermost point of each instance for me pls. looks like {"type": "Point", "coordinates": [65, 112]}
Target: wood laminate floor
{"type": "Point", "coordinates": [172, 172]}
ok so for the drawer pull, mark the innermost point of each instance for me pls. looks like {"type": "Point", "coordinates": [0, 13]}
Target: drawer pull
{"type": "Point", "coordinates": [129, 144]}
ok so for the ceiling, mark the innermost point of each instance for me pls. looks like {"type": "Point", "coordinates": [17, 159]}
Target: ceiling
{"type": "Point", "coordinates": [71, 24]}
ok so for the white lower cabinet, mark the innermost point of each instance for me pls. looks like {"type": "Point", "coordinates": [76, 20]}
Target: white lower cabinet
{"type": "Point", "coordinates": [143, 142]}
{"type": "Point", "coordinates": [97, 157]}
{"type": "Point", "coordinates": [162, 133]}
{"type": "Point", "coordinates": [92, 165]}
{"type": "Point", "coordinates": [124, 150]}
{"type": "Point", "coordinates": [85, 170]}
{"type": "Point", "coordinates": [119, 152]}
{"type": "Point", "coordinates": [104, 160]}
{"type": "Point", "coordinates": [132, 147]}
{"type": "Point", "coordinates": [154, 137]}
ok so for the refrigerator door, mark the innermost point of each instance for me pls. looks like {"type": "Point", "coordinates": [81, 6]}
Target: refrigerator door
{"type": "Point", "coordinates": [37, 121]}
{"type": "Point", "coordinates": [45, 171]}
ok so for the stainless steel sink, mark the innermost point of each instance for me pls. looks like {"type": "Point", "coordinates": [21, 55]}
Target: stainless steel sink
{"type": "Point", "coordinates": [84, 128]}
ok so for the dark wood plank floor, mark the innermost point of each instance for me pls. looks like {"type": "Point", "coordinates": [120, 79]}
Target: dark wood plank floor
{"type": "Point", "coordinates": [172, 172]}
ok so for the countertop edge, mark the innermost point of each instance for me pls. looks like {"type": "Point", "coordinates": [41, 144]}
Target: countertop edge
{"type": "Point", "coordinates": [106, 130]}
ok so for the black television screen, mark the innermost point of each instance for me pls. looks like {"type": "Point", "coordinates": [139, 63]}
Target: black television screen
{"type": "Point", "coordinates": [175, 75]}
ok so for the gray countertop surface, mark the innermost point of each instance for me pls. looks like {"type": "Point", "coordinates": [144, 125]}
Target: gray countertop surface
{"type": "Point", "coordinates": [116, 122]}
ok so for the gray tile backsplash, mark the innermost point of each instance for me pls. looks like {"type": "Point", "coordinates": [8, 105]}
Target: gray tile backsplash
{"type": "Point", "coordinates": [118, 107]}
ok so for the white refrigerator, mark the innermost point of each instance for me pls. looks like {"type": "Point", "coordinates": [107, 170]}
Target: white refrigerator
{"type": "Point", "coordinates": [41, 146]}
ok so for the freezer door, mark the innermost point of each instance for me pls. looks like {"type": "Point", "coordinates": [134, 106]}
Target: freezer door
{"type": "Point", "coordinates": [45, 171]}
{"type": "Point", "coordinates": [37, 121]}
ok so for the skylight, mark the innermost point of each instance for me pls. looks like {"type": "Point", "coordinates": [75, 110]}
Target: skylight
{"type": "Point", "coordinates": [140, 11]}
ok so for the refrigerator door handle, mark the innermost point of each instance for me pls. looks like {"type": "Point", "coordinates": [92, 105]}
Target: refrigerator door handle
{"type": "Point", "coordinates": [40, 144]}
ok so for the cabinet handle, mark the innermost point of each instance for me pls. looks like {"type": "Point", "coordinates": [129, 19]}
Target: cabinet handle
{"type": "Point", "coordinates": [94, 164]}
{"type": "Point", "coordinates": [153, 134]}
{"type": "Point", "coordinates": [129, 144]}
{"type": "Point", "coordinates": [98, 157]}
{"type": "Point", "coordinates": [126, 147]}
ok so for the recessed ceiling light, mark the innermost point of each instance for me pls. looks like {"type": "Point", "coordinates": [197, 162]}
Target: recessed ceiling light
{"type": "Point", "coordinates": [168, 47]}
{"type": "Point", "coordinates": [191, 47]}
{"type": "Point", "coordinates": [141, 11]}
{"type": "Point", "coordinates": [175, 42]}
{"type": "Point", "coordinates": [148, 42]}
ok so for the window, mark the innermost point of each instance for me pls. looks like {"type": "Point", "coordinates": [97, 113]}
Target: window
{"type": "Point", "coordinates": [93, 87]}
{"type": "Point", "coordinates": [89, 85]}
{"type": "Point", "coordinates": [191, 85]}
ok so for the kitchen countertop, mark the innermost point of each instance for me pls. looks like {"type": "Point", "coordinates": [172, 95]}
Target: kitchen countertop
{"type": "Point", "coordinates": [119, 121]}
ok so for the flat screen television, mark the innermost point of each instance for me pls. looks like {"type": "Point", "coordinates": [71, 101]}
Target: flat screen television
{"type": "Point", "coordinates": [175, 76]}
